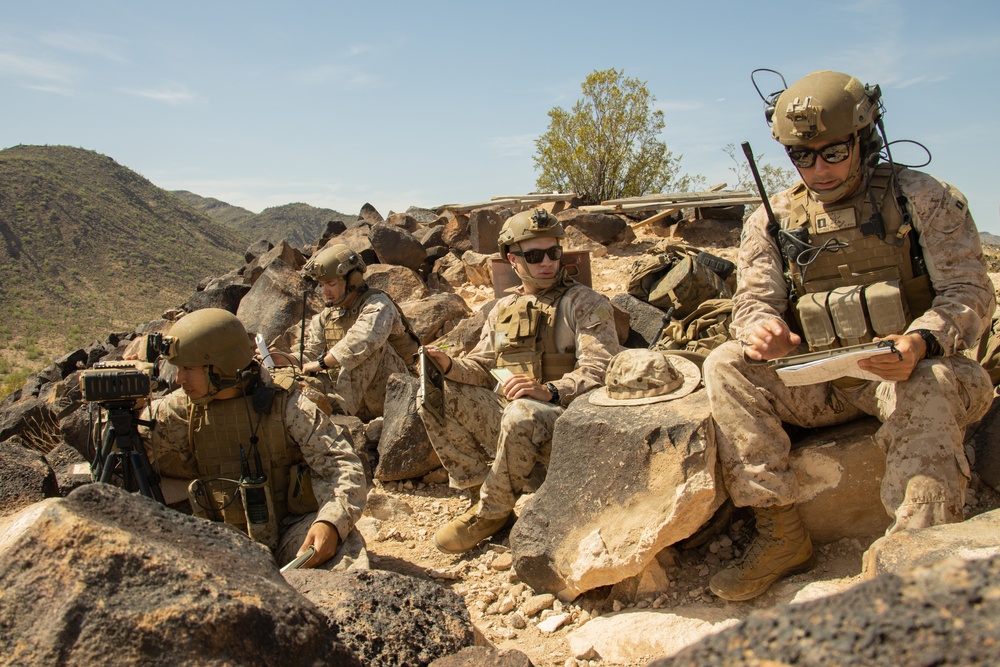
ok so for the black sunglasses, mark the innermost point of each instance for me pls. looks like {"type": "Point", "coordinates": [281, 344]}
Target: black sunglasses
{"type": "Point", "coordinates": [804, 158]}
{"type": "Point", "coordinates": [536, 256]}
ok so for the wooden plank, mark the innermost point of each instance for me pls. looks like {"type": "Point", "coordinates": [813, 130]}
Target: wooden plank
{"type": "Point", "coordinates": [552, 197]}
{"type": "Point", "coordinates": [656, 218]}
{"type": "Point", "coordinates": [466, 208]}
{"type": "Point", "coordinates": [672, 196]}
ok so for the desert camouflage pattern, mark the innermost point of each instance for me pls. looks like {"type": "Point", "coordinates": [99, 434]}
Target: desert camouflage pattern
{"type": "Point", "coordinates": [923, 418]}
{"type": "Point", "coordinates": [338, 479]}
{"type": "Point", "coordinates": [964, 300]}
{"type": "Point", "coordinates": [494, 442]}
{"type": "Point", "coordinates": [584, 326]}
{"type": "Point", "coordinates": [491, 441]}
{"type": "Point", "coordinates": [364, 356]}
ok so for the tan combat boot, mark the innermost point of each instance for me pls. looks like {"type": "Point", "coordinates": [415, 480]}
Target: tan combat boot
{"type": "Point", "coordinates": [468, 530]}
{"type": "Point", "coordinates": [781, 547]}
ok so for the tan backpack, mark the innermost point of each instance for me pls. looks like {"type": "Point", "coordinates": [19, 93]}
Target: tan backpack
{"type": "Point", "coordinates": [703, 330]}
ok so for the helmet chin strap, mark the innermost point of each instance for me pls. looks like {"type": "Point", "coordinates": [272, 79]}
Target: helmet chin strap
{"type": "Point", "coordinates": [850, 183]}
{"type": "Point", "coordinates": [540, 283]}
{"type": "Point", "coordinates": [216, 384]}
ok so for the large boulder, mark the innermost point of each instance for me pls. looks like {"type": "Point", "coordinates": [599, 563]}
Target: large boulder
{"type": "Point", "coordinates": [623, 483]}
{"type": "Point", "coordinates": [25, 476]}
{"type": "Point", "coordinates": [388, 619]}
{"type": "Point", "coordinates": [32, 419]}
{"type": "Point", "coordinates": [108, 577]}
{"type": "Point", "coordinates": [404, 451]}
{"type": "Point", "coordinates": [484, 228]}
{"type": "Point", "coordinates": [435, 315]}
{"type": "Point", "coordinates": [979, 537]}
{"type": "Point", "coordinates": [395, 245]}
{"type": "Point", "coordinates": [600, 227]}
{"type": "Point", "coordinates": [274, 303]}
{"type": "Point", "coordinates": [839, 471]}
{"type": "Point", "coordinates": [227, 297]}
{"type": "Point", "coordinates": [945, 615]}
{"type": "Point", "coordinates": [399, 282]}
{"type": "Point", "coordinates": [645, 320]}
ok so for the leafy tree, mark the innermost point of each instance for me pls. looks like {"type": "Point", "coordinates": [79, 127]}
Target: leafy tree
{"type": "Point", "coordinates": [607, 146]}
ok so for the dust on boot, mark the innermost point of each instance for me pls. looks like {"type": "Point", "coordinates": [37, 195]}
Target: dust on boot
{"type": "Point", "coordinates": [781, 547]}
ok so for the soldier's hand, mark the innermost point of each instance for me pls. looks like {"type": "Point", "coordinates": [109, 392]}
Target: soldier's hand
{"type": "Point", "coordinates": [524, 386]}
{"type": "Point", "coordinates": [893, 367]}
{"type": "Point", "coordinates": [311, 368]}
{"type": "Point", "coordinates": [771, 340]}
{"type": "Point", "coordinates": [440, 358]}
{"type": "Point", "coordinates": [324, 538]}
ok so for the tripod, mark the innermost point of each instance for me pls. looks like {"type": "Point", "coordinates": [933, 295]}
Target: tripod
{"type": "Point", "coordinates": [129, 460]}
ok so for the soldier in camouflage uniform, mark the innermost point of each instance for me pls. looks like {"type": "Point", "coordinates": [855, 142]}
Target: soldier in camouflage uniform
{"type": "Point", "coordinates": [554, 337]}
{"type": "Point", "coordinates": [872, 250]}
{"type": "Point", "coordinates": [229, 426]}
{"type": "Point", "coordinates": [358, 339]}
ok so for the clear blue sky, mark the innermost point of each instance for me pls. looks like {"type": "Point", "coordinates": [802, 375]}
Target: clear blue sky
{"type": "Point", "coordinates": [423, 103]}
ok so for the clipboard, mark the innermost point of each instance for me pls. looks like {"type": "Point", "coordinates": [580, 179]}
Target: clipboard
{"type": "Point", "coordinates": [819, 367]}
{"type": "Point", "coordinates": [430, 393]}
{"type": "Point", "coordinates": [809, 357]}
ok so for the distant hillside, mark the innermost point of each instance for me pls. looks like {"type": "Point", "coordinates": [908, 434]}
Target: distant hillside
{"type": "Point", "coordinates": [234, 216]}
{"type": "Point", "coordinates": [89, 246]}
{"type": "Point", "coordinates": [989, 239]}
{"type": "Point", "coordinates": [298, 224]}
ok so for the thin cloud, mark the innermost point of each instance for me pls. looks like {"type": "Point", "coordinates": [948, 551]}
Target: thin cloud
{"type": "Point", "coordinates": [15, 65]}
{"type": "Point", "coordinates": [350, 77]}
{"type": "Point", "coordinates": [84, 43]}
{"type": "Point", "coordinates": [55, 90]}
{"type": "Point", "coordinates": [171, 94]}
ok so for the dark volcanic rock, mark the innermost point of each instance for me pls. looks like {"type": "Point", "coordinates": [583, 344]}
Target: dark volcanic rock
{"type": "Point", "coordinates": [388, 619]}
{"type": "Point", "coordinates": [25, 477]}
{"type": "Point", "coordinates": [945, 615]}
{"type": "Point", "coordinates": [404, 451]}
{"type": "Point", "coordinates": [395, 245]}
{"type": "Point", "coordinates": [105, 577]}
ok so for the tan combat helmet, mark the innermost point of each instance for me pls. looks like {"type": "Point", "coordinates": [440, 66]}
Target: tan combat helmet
{"type": "Point", "coordinates": [824, 106]}
{"type": "Point", "coordinates": [333, 261]}
{"type": "Point", "coordinates": [534, 224]}
{"type": "Point", "coordinates": [210, 337]}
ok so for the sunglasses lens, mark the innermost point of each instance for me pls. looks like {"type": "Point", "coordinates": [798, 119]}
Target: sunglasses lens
{"type": "Point", "coordinates": [536, 256]}
{"type": "Point", "coordinates": [802, 157]}
{"type": "Point", "coordinates": [836, 153]}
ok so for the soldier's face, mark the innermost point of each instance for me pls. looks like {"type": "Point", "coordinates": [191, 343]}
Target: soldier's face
{"type": "Point", "coordinates": [193, 380]}
{"type": "Point", "coordinates": [333, 290]}
{"type": "Point", "coordinates": [823, 176]}
{"type": "Point", "coordinates": [547, 268]}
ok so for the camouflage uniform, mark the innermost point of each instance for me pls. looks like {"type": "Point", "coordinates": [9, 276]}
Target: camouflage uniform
{"type": "Point", "coordinates": [364, 356]}
{"type": "Point", "coordinates": [489, 440]}
{"type": "Point", "coordinates": [338, 480]}
{"type": "Point", "coordinates": [923, 418]}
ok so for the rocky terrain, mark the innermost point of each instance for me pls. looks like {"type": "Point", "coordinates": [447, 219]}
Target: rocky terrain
{"type": "Point", "coordinates": [422, 605]}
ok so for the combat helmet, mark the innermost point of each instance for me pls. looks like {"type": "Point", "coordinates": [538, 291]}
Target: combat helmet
{"type": "Point", "coordinates": [211, 337]}
{"type": "Point", "coordinates": [333, 261]}
{"type": "Point", "coordinates": [824, 106]}
{"type": "Point", "coordinates": [533, 224]}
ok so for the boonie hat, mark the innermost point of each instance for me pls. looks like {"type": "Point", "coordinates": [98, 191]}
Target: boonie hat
{"type": "Point", "coordinates": [640, 376]}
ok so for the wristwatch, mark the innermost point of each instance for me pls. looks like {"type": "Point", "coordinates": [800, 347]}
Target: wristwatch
{"type": "Point", "coordinates": [322, 362]}
{"type": "Point", "coordinates": [555, 393]}
{"type": "Point", "coordinates": [933, 347]}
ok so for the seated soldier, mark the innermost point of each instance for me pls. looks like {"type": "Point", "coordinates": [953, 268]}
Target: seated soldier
{"type": "Point", "coordinates": [245, 441]}
{"type": "Point", "coordinates": [554, 337]}
{"type": "Point", "coordinates": [359, 339]}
